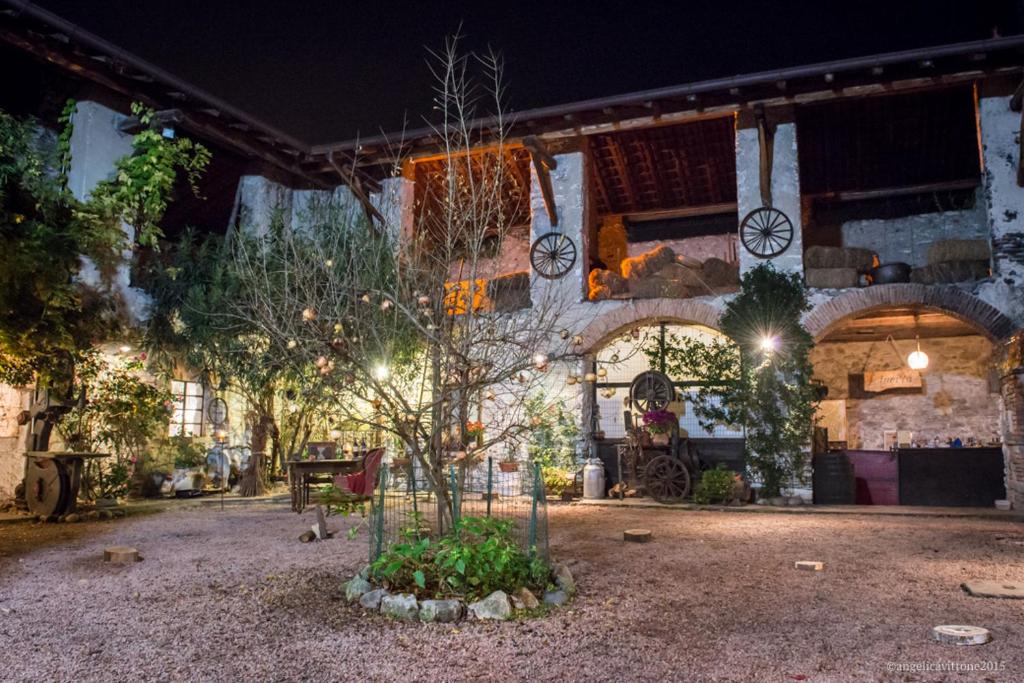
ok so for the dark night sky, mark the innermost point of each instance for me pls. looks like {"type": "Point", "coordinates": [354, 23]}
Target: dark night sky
{"type": "Point", "coordinates": [327, 71]}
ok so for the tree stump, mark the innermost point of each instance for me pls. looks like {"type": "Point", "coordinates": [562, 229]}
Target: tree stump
{"type": "Point", "coordinates": [637, 535]}
{"type": "Point", "coordinates": [120, 554]}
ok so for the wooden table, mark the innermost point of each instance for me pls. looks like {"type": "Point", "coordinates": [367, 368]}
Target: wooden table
{"type": "Point", "coordinates": [302, 473]}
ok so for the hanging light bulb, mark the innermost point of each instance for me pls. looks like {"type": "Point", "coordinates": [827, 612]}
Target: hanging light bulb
{"type": "Point", "coordinates": [917, 360]}
{"type": "Point", "coordinates": [540, 361]}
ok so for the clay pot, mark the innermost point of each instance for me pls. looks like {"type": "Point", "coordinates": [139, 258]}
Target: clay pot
{"type": "Point", "coordinates": [508, 466]}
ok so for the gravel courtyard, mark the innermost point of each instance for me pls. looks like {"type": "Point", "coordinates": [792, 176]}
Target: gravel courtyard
{"type": "Point", "coordinates": [234, 596]}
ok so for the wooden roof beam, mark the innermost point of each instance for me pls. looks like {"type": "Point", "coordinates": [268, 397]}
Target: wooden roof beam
{"type": "Point", "coordinates": [543, 163]}
{"type": "Point", "coordinates": [349, 177]}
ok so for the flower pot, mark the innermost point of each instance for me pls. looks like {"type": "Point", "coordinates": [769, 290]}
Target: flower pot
{"type": "Point", "coordinates": [509, 466]}
{"type": "Point", "coordinates": [661, 439]}
{"type": "Point", "coordinates": [400, 463]}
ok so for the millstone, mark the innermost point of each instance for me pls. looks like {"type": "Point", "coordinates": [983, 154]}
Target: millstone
{"type": "Point", "coordinates": [120, 554]}
{"type": "Point", "coordinates": [995, 589]}
{"type": "Point", "coordinates": [957, 634]}
{"type": "Point", "coordinates": [810, 566]}
{"type": "Point", "coordinates": [637, 535]}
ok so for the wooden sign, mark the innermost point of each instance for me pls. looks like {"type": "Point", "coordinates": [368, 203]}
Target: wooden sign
{"type": "Point", "coordinates": [883, 380]}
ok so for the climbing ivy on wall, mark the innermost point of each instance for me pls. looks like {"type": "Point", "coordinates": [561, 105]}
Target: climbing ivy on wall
{"type": "Point", "coordinates": [759, 379]}
{"type": "Point", "coordinates": [48, 316]}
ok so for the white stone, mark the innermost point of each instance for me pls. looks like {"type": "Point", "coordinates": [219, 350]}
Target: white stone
{"type": "Point", "coordinates": [957, 634]}
{"type": "Point", "coordinates": [995, 589]}
{"type": "Point", "coordinates": [809, 565]}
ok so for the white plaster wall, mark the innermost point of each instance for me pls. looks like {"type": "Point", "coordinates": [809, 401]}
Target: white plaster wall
{"type": "Point", "coordinates": [12, 438]}
{"type": "Point", "coordinates": [568, 183]}
{"type": "Point", "coordinates": [907, 239]}
{"type": "Point", "coordinates": [785, 190]}
{"type": "Point", "coordinates": [1000, 131]}
{"type": "Point", "coordinates": [96, 146]}
{"type": "Point", "coordinates": [258, 201]}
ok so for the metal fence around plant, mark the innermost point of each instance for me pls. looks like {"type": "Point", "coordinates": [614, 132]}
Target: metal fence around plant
{"type": "Point", "coordinates": [405, 503]}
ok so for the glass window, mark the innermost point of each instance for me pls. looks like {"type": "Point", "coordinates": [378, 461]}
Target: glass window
{"type": "Point", "coordinates": [187, 418]}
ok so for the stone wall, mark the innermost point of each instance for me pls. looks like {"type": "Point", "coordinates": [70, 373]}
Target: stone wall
{"type": "Point", "coordinates": [958, 398]}
{"type": "Point", "coordinates": [907, 239]}
{"type": "Point", "coordinates": [12, 438]}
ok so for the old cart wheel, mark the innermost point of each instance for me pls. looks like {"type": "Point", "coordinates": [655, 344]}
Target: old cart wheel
{"type": "Point", "coordinates": [766, 232]}
{"type": "Point", "coordinates": [553, 255]}
{"type": "Point", "coordinates": [651, 390]}
{"type": "Point", "coordinates": [667, 480]}
{"type": "Point", "coordinates": [47, 486]}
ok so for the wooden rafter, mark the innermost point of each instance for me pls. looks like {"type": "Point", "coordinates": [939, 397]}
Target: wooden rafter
{"type": "Point", "coordinates": [351, 179]}
{"type": "Point", "coordinates": [766, 149]}
{"type": "Point", "coordinates": [543, 163]}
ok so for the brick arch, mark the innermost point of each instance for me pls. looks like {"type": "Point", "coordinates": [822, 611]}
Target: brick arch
{"type": "Point", "coordinates": [645, 311]}
{"type": "Point", "coordinates": [824, 317]}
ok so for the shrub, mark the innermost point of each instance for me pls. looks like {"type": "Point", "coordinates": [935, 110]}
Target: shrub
{"type": "Point", "coordinates": [714, 485]}
{"type": "Point", "coordinates": [556, 480]}
{"type": "Point", "coordinates": [478, 557]}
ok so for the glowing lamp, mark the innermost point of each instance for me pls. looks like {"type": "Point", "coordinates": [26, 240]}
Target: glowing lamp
{"type": "Point", "coordinates": [381, 372]}
{"type": "Point", "coordinates": [335, 434]}
{"type": "Point", "coordinates": [918, 360]}
{"type": "Point", "coordinates": [125, 348]}
{"type": "Point", "coordinates": [540, 361]}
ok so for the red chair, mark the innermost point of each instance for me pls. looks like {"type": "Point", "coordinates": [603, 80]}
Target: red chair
{"type": "Point", "coordinates": [362, 483]}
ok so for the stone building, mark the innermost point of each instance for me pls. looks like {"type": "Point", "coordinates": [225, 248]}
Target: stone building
{"type": "Point", "coordinates": [667, 196]}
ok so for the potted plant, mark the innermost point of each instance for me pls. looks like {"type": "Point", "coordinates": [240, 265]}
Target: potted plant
{"type": "Point", "coordinates": [509, 463]}
{"type": "Point", "coordinates": [659, 424]}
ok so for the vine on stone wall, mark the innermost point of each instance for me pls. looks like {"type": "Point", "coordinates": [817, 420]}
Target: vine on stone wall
{"type": "Point", "coordinates": [759, 379]}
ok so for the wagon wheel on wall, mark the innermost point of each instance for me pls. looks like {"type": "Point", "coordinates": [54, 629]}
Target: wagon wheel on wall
{"type": "Point", "coordinates": [766, 232]}
{"type": "Point", "coordinates": [651, 390]}
{"type": "Point", "coordinates": [553, 255]}
{"type": "Point", "coordinates": [666, 479]}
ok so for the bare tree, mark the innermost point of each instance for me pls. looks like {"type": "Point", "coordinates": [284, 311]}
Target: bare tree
{"type": "Point", "coordinates": [394, 328]}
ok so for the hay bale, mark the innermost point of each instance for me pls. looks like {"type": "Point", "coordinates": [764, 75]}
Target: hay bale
{"type": "Point", "coordinates": [675, 272]}
{"type": "Point", "coordinates": [612, 243]}
{"type": "Point", "coordinates": [831, 278]}
{"type": "Point", "coordinates": [945, 251]}
{"type": "Point", "coordinates": [647, 287]}
{"type": "Point", "coordinates": [688, 261]}
{"type": "Point", "coordinates": [646, 264]}
{"type": "Point", "coordinates": [718, 273]}
{"type": "Point", "coordinates": [950, 271]}
{"type": "Point", "coordinates": [604, 284]}
{"type": "Point", "coordinates": [838, 257]}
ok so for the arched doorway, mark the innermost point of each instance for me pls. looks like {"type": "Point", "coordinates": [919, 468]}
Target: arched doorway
{"type": "Point", "coordinates": [917, 436]}
{"type": "Point", "coordinates": [625, 353]}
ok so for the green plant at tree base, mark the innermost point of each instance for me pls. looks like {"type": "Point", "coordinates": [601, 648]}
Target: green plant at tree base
{"type": "Point", "coordinates": [553, 433]}
{"type": "Point", "coordinates": [478, 557]}
{"type": "Point", "coordinates": [759, 379]}
{"type": "Point", "coordinates": [715, 485]}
